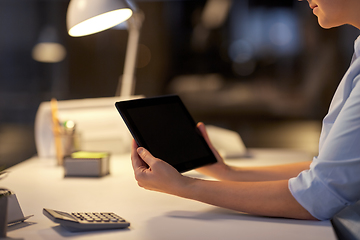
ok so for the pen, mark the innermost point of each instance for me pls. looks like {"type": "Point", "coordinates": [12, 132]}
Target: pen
{"type": "Point", "coordinates": [56, 131]}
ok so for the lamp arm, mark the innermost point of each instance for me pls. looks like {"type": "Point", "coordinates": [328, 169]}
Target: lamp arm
{"type": "Point", "coordinates": [127, 80]}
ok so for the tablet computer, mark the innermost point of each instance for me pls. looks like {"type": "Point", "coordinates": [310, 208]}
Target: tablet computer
{"type": "Point", "coordinates": [164, 126]}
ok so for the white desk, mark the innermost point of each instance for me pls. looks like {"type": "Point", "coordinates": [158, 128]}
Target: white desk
{"type": "Point", "coordinates": [38, 183]}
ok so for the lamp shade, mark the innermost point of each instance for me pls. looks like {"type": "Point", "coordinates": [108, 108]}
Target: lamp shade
{"type": "Point", "coordinates": [85, 17]}
{"type": "Point", "coordinates": [48, 48]}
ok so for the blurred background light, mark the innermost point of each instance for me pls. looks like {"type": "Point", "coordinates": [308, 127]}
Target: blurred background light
{"type": "Point", "coordinates": [49, 48]}
{"type": "Point", "coordinates": [49, 52]}
{"type": "Point", "coordinates": [280, 34]}
{"type": "Point", "coordinates": [241, 51]}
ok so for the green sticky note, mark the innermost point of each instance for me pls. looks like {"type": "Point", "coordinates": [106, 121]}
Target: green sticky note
{"type": "Point", "coordinates": [84, 154]}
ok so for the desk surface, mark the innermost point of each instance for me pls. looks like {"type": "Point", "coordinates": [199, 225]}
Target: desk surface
{"type": "Point", "coordinates": [39, 183]}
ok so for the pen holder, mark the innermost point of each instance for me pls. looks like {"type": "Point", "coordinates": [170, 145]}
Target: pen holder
{"type": "Point", "coordinates": [67, 140]}
{"type": "Point", "coordinates": [70, 143]}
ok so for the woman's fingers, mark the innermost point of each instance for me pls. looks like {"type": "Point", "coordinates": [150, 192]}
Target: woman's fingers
{"type": "Point", "coordinates": [136, 161]}
{"type": "Point", "coordinates": [202, 128]}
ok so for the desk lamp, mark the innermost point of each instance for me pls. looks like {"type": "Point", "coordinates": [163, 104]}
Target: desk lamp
{"type": "Point", "coordinates": [85, 17]}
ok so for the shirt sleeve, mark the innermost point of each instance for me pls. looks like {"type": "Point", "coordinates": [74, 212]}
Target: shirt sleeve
{"type": "Point", "coordinates": [333, 180]}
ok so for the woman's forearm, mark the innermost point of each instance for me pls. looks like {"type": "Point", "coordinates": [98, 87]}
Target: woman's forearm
{"type": "Point", "coordinates": [266, 173]}
{"type": "Point", "coordinates": [271, 198]}
{"type": "Point", "coordinates": [222, 171]}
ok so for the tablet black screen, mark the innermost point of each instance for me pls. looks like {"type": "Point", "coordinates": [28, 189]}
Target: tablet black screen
{"type": "Point", "coordinates": [164, 127]}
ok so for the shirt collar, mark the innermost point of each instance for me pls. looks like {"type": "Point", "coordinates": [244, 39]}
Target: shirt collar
{"type": "Point", "coordinates": [356, 48]}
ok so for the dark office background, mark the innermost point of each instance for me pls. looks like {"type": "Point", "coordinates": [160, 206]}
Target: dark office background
{"type": "Point", "coordinates": [267, 70]}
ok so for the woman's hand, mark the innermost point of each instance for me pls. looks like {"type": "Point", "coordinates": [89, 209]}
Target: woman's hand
{"type": "Point", "coordinates": [217, 170]}
{"type": "Point", "coordinates": [154, 174]}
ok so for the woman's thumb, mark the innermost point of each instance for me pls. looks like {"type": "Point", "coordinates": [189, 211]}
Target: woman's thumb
{"type": "Point", "coordinates": [146, 155]}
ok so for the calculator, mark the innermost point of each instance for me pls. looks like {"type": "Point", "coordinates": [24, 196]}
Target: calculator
{"type": "Point", "coordinates": [86, 221]}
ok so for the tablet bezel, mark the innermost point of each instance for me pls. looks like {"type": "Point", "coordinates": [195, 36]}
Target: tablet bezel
{"type": "Point", "coordinates": [186, 165]}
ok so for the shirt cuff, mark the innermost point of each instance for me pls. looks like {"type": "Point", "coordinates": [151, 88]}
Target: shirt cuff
{"type": "Point", "coordinates": [311, 193]}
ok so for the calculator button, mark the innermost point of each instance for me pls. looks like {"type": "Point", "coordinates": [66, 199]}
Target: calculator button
{"type": "Point", "coordinates": [97, 217]}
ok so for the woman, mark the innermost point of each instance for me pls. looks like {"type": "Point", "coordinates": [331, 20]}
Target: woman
{"type": "Point", "coordinates": [316, 189]}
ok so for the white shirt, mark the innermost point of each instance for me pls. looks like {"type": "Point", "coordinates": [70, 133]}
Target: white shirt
{"type": "Point", "coordinates": [333, 180]}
